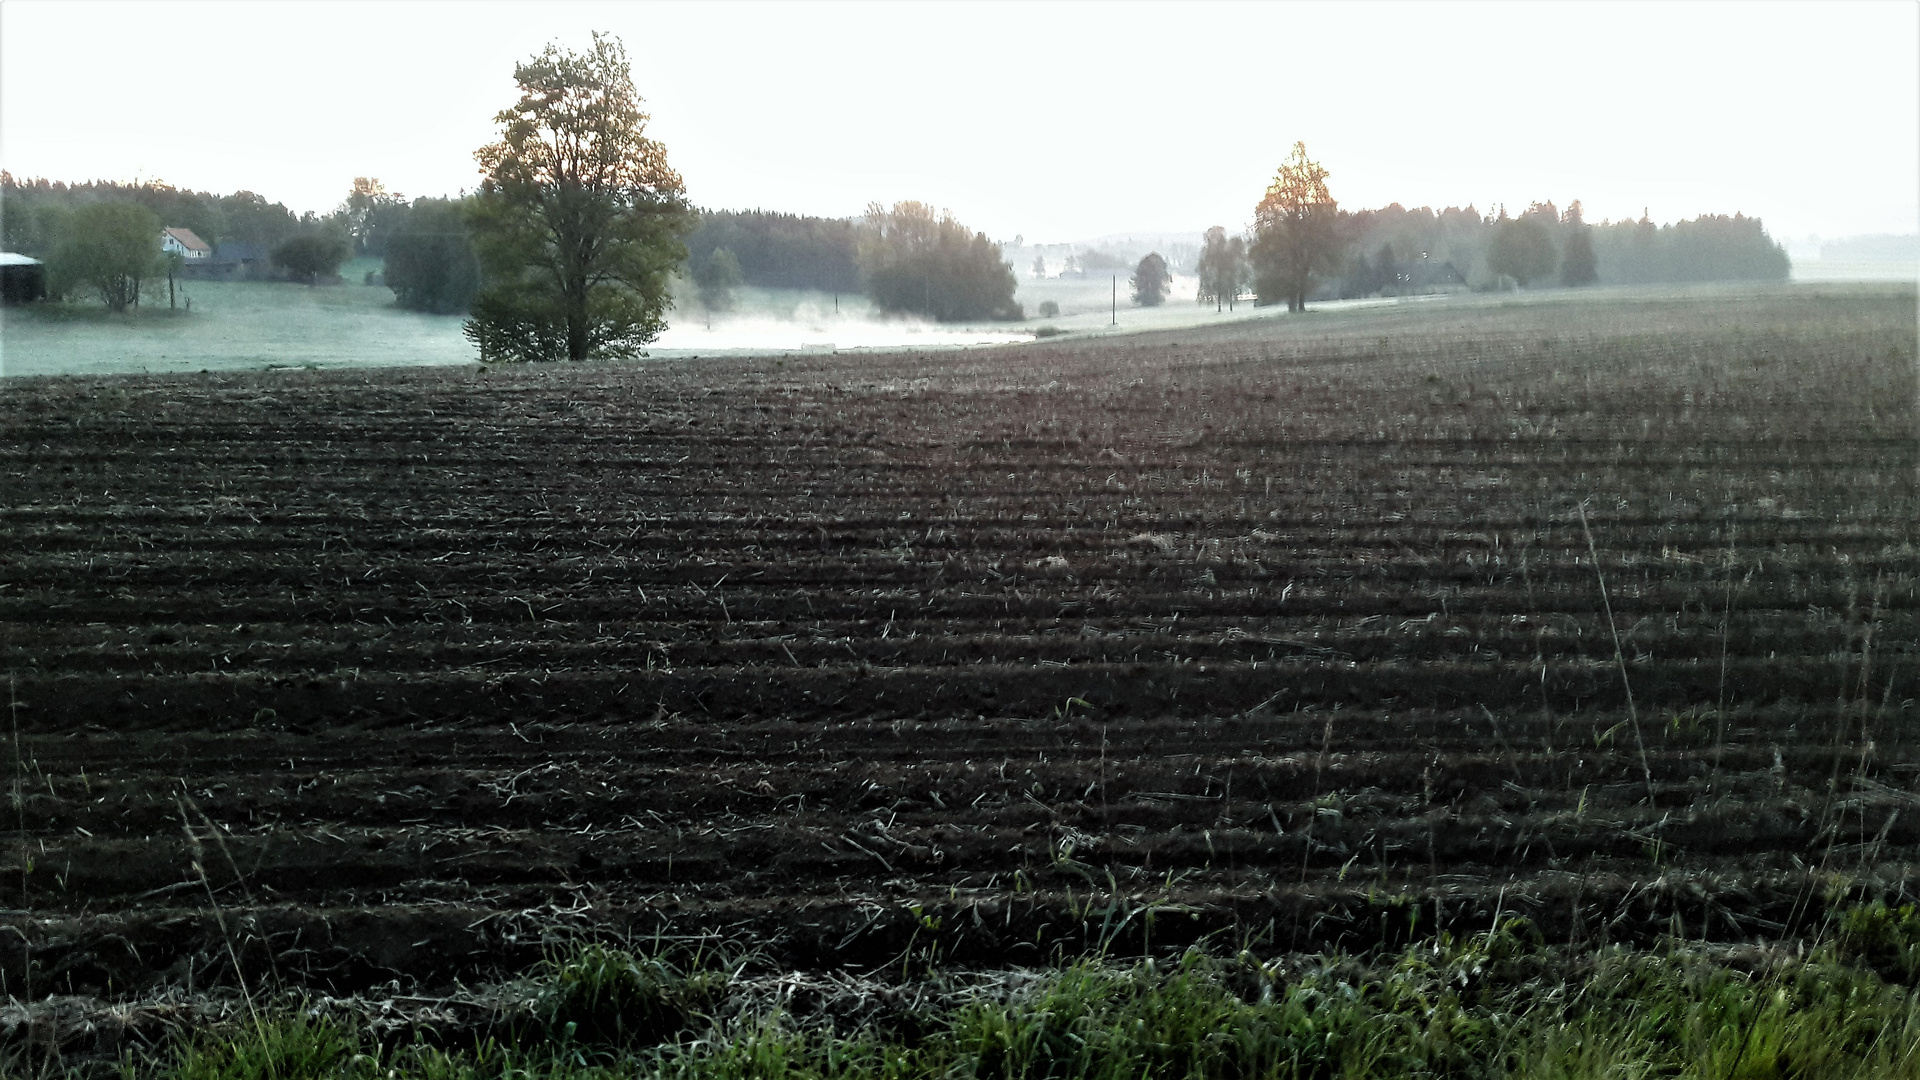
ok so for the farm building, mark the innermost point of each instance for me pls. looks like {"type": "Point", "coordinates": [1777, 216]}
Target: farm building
{"type": "Point", "coordinates": [242, 260]}
{"type": "Point", "coordinates": [23, 279]}
{"type": "Point", "coordinates": [184, 242]}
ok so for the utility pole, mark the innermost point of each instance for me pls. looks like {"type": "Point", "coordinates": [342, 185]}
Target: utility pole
{"type": "Point", "coordinates": [1115, 318]}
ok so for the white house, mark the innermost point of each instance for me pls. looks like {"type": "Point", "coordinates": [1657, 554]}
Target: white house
{"type": "Point", "coordinates": [183, 241]}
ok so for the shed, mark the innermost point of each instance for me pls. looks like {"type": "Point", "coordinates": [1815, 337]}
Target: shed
{"type": "Point", "coordinates": [23, 279]}
{"type": "Point", "coordinates": [233, 260]}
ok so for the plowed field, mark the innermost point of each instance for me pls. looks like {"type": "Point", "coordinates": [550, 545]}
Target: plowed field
{"type": "Point", "coordinates": [1323, 630]}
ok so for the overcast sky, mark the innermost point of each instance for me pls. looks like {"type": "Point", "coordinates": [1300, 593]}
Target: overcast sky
{"type": "Point", "coordinates": [1056, 122]}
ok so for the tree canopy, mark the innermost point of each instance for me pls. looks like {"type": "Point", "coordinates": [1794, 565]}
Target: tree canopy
{"type": "Point", "coordinates": [1454, 248]}
{"type": "Point", "coordinates": [371, 214]}
{"type": "Point", "coordinates": [780, 251]}
{"type": "Point", "coordinates": [314, 254]}
{"type": "Point", "coordinates": [1711, 247]}
{"type": "Point", "coordinates": [578, 223]}
{"type": "Point", "coordinates": [915, 261]}
{"type": "Point", "coordinates": [1296, 231]}
{"type": "Point", "coordinates": [1522, 249]}
{"type": "Point", "coordinates": [36, 209]}
{"type": "Point", "coordinates": [107, 248]}
{"type": "Point", "coordinates": [1222, 267]}
{"type": "Point", "coordinates": [430, 264]}
{"type": "Point", "coordinates": [1150, 281]}
{"type": "Point", "coordinates": [1577, 266]}
{"type": "Point", "coordinates": [716, 276]}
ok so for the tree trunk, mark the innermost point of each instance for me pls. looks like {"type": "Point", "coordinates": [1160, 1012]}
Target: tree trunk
{"type": "Point", "coordinates": [576, 331]}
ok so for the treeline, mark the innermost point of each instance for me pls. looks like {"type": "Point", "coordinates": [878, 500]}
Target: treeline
{"type": "Point", "coordinates": [103, 239]}
{"type": "Point", "coordinates": [781, 251]}
{"type": "Point", "coordinates": [1395, 249]}
{"type": "Point", "coordinates": [908, 259]}
{"type": "Point", "coordinates": [1303, 246]}
{"type": "Point", "coordinates": [1711, 247]}
{"type": "Point", "coordinates": [34, 212]}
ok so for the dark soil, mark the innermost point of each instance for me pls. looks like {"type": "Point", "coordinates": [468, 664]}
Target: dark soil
{"type": "Point", "coordinates": [1289, 631]}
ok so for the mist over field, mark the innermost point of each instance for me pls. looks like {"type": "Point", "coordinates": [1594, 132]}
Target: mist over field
{"type": "Point", "coordinates": [784, 320]}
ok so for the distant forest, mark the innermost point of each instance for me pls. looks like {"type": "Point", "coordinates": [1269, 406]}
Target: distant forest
{"type": "Point", "coordinates": [1397, 249]}
{"type": "Point", "coordinates": [781, 251]}
{"type": "Point", "coordinates": [1385, 251]}
{"type": "Point", "coordinates": [33, 211]}
{"type": "Point", "coordinates": [1390, 249]}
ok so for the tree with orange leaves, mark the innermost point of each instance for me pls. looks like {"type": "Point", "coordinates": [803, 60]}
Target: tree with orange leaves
{"type": "Point", "coordinates": [1296, 233]}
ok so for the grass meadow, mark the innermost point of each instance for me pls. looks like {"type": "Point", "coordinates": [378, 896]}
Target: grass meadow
{"type": "Point", "coordinates": [254, 326]}
{"type": "Point", "coordinates": [1492, 1005]}
{"type": "Point", "coordinates": [230, 326]}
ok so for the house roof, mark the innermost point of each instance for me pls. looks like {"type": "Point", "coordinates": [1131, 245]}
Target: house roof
{"type": "Point", "coordinates": [239, 251]}
{"type": "Point", "coordinates": [187, 239]}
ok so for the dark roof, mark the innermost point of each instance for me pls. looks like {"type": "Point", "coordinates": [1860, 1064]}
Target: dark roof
{"type": "Point", "coordinates": [240, 251]}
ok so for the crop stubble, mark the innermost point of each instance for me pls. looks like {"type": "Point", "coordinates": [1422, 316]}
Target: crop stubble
{"type": "Point", "coordinates": [1287, 630]}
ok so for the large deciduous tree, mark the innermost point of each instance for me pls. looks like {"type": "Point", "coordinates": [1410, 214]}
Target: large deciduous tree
{"type": "Point", "coordinates": [1150, 281]}
{"type": "Point", "coordinates": [1223, 267]}
{"type": "Point", "coordinates": [579, 220]}
{"type": "Point", "coordinates": [108, 248]}
{"type": "Point", "coordinates": [1296, 233]}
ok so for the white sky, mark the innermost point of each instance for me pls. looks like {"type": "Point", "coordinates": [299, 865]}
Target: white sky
{"type": "Point", "coordinates": [1058, 122]}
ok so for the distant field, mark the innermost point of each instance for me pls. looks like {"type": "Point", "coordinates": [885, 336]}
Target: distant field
{"type": "Point", "coordinates": [1289, 630]}
{"type": "Point", "coordinates": [252, 326]}
{"type": "Point", "coordinates": [232, 326]}
{"type": "Point", "coordinates": [1854, 270]}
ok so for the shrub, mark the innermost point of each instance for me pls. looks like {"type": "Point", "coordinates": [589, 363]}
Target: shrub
{"type": "Point", "coordinates": [108, 248]}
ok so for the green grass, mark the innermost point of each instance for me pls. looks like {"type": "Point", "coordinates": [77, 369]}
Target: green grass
{"type": "Point", "coordinates": [1494, 1005]}
{"type": "Point", "coordinates": [611, 997]}
{"type": "Point", "coordinates": [290, 1047]}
